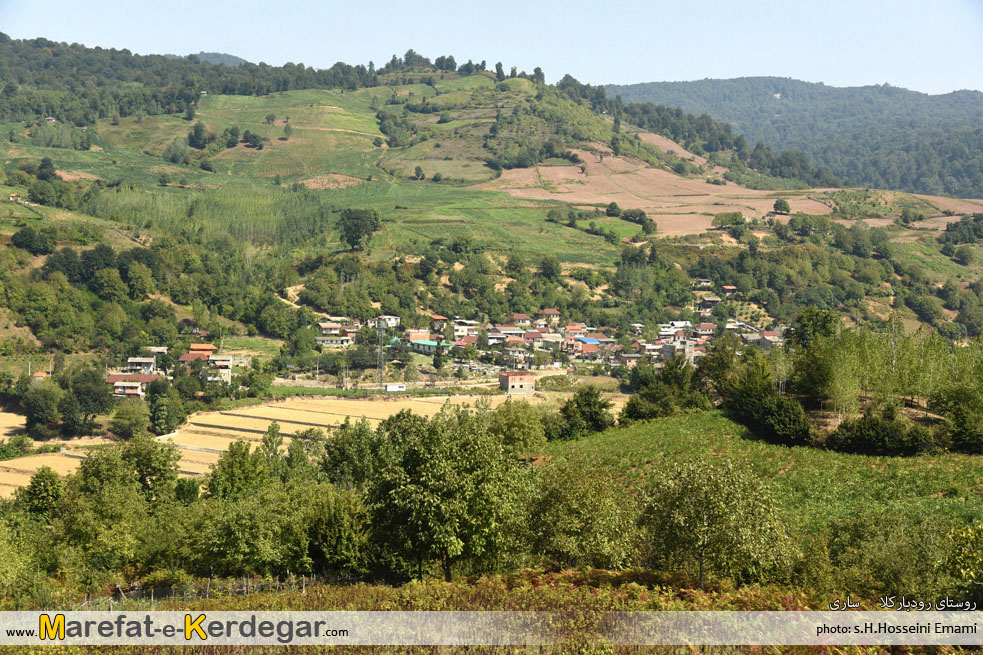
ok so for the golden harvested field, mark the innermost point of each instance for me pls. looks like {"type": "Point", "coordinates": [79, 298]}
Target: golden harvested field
{"type": "Point", "coordinates": [207, 435]}
{"type": "Point", "coordinates": [61, 463]}
{"type": "Point", "coordinates": [201, 441]}
{"type": "Point", "coordinates": [216, 430]}
{"type": "Point", "coordinates": [11, 424]}
{"type": "Point", "coordinates": [250, 424]}
{"type": "Point", "coordinates": [10, 481]}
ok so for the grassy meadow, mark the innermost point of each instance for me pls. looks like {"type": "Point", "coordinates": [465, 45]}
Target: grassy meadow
{"type": "Point", "coordinates": [812, 486]}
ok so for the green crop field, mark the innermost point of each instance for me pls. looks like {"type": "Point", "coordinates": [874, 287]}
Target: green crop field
{"type": "Point", "coordinates": [813, 486]}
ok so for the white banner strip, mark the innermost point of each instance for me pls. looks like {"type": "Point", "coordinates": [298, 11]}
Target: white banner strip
{"type": "Point", "coordinates": [960, 628]}
{"type": "Point", "coordinates": [490, 628]}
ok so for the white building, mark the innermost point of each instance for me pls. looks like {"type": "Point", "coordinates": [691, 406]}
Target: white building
{"type": "Point", "coordinates": [386, 321]}
{"type": "Point", "coordinates": [146, 365]}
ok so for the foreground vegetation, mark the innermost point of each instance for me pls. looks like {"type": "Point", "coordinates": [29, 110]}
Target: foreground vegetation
{"type": "Point", "coordinates": [367, 505]}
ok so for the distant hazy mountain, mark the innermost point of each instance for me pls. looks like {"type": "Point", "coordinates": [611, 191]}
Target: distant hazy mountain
{"type": "Point", "coordinates": [214, 58]}
{"type": "Point", "coordinates": [873, 135]}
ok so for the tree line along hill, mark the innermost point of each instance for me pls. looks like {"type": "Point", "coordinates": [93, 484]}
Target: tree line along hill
{"type": "Point", "coordinates": [879, 136]}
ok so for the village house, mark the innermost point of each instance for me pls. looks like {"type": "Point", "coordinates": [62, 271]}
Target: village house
{"type": "Point", "coordinates": [386, 321]}
{"type": "Point", "coordinates": [194, 355]}
{"type": "Point", "coordinates": [603, 340]}
{"type": "Point", "coordinates": [466, 328]}
{"type": "Point", "coordinates": [329, 328]}
{"type": "Point", "coordinates": [574, 330]}
{"type": "Point", "coordinates": [510, 330]}
{"type": "Point", "coordinates": [495, 336]}
{"type": "Point", "coordinates": [223, 375]}
{"type": "Point", "coordinates": [129, 385]}
{"type": "Point", "coordinates": [765, 340]}
{"type": "Point", "coordinates": [414, 334]}
{"type": "Point", "coordinates": [514, 340]}
{"type": "Point", "coordinates": [709, 302]}
{"type": "Point", "coordinates": [551, 341]}
{"type": "Point", "coordinates": [589, 351]}
{"type": "Point", "coordinates": [437, 322]}
{"type": "Point", "coordinates": [464, 342]}
{"type": "Point", "coordinates": [685, 348]}
{"type": "Point", "coordinates": [220, 361]}
{"type": "Point", "coordinates": [704, 329]}
{"type": "Point", "coordinates": [203, 347]}
{"type": "Point", "coordinates": [517, 382]}
{"type": "Point", "coordinates": [128, 390]}
{"type": "Point", "coordinates": [729, 290]}
{"type": "Point", "coordinates": [522, 320]}
{"type": "Point", "coordinates": [628, 360]}
{"type": "Point", "coordinates": [517, 357]}
{"type": "Point", "coordinates": [535, 337]}
{"type": "Point", "coordinates": [667, 331]}
{"type": "Point", "coordinates": [340, 340]}
{"type": "Point", "coordinates": [429, 347]}
{"type": "Point", "coordinates": [156, 350]}
{"type": "Point", "coordinates": [550, 315]}
{"type": "Point", "coordinates": [141, 365]}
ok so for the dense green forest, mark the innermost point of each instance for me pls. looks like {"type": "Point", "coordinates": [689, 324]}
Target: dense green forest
{"type": "Point", "coordinates": [879, 136]}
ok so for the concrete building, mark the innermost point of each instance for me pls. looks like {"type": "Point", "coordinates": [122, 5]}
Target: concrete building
{"type": "Point", "coordinates": [335, 341]}
{"type": "Point", "coordinates": [386, 321]}
{"type": "Point", "coordinates": [517, 382]}
{"type": "Point", "coordinates": [146, 365]}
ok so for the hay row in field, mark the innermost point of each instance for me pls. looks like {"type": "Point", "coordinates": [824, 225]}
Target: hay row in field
{"type": "Point", "coordinates": [282, 420]}
{"type": "Point", "coordinates": [200, 439]}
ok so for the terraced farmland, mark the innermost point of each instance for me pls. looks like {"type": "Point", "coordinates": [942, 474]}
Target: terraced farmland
{"type": "Point", "coordinates": [207, 435]}
{"type": "Point", "coordinates": [17, 472]}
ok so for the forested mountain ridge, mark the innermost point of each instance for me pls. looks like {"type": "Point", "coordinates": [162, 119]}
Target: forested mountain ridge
{"type": "Point", "coordinates": [881, 135]}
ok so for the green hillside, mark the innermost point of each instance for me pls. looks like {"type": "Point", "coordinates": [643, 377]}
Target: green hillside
{"type": "Point", "coordinates": [335, 144]}
{"type": "Point", "coordinates": [879, 136]}
{"type": "Point", "coordinates": [814, 487]}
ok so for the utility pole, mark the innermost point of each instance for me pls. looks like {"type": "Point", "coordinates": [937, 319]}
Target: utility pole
{"type": "Point", "coordinates": [381, 358]}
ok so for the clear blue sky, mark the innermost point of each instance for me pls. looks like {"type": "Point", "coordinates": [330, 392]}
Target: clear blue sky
{"type": "Point", "coordinates": [933, 47]}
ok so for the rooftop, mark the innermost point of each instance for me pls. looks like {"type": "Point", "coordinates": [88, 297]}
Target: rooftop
{"type": "Point", "coordinates": [131, 377]}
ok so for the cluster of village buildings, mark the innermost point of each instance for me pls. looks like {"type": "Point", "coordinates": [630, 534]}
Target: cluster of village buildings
{"type": "Point", "coordinates": [523, 335]}
{"type": "Point", "coordinates": [132, 380]}
{"type": "Point", "coordinates": [517, 340]}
